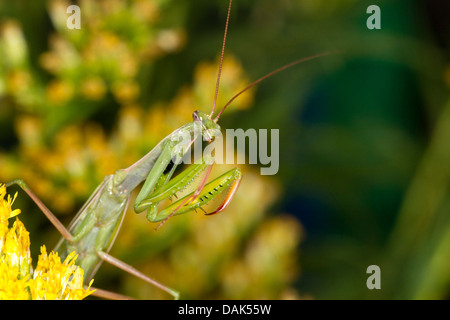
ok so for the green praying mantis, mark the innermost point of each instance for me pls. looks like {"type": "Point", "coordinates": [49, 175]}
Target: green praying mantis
{"type": "Point", "coordinates": [94, 229]}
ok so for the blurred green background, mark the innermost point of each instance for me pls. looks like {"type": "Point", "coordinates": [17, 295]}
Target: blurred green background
{"type": "Point", "coordinates": [364, 138]}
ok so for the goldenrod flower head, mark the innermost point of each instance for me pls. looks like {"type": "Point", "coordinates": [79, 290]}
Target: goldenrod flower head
{"type": "Point", "coordinates": [50, 280]}
{"type": "Point", "coordinates": [16, 249]}
{"type": "Point", "coordinates": [5, 206]}
{"type": "Point", "coordinates": [55, 280]}
{"type": "Point", "coordinates": [11, 287]}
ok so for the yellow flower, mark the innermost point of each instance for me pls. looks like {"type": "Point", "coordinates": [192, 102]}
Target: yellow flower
{"type": "Point", "coordinates": [16, 249]}
{"type": "Point", "coordinates": [15, 261]}
{"type": "Point", "coordinates": [93, 88]}
{"type": "Point", "coordinates": [5, 206]}
{"type": "Point", "coordinates": [59, 91]}
{"type": "Point", "coordinates": [50, 280]}
{"type": "Point", "coordinates": [55, 280]}
{"type": "Point", "coordinates": [11, 287]}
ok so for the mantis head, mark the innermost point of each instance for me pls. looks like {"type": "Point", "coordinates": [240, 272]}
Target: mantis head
{"type": "Point", "coordinates": [209, 127]}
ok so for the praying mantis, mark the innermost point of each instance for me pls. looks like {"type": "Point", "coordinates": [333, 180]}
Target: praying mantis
{"type": "Point", "coordinates": [94, 229]}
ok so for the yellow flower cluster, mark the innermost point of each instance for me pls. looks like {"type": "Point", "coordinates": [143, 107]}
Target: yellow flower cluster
{"type": "Point", "coordinates": [51, 280]}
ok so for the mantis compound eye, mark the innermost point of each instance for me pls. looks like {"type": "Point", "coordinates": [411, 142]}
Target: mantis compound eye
{"type": "Point", "coordinates": [195, 116]}
{"type": "Point", "coordinates": [212, 134]}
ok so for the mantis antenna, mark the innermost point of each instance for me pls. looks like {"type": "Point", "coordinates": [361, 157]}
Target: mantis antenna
{"type": "Point", "coordinates": [255, 82]}
{"type": "Point", "coordinates": [269, 75]}
{"type": "Point", "coordinates": [221, 60]}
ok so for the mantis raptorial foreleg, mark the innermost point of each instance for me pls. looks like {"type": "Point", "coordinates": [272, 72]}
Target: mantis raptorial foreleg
{"type": "Point", "coordinates": [159, 186]}
{"type": "Point", "coordinates": [148, 198]}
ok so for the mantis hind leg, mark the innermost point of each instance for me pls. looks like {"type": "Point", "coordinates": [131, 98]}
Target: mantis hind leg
{"type": "Point", "coordinates": [53, 219]}
{"type": "Point", "coordinates": [105, 294]}
{"type": "Point", "coordinates": [131, 270]}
